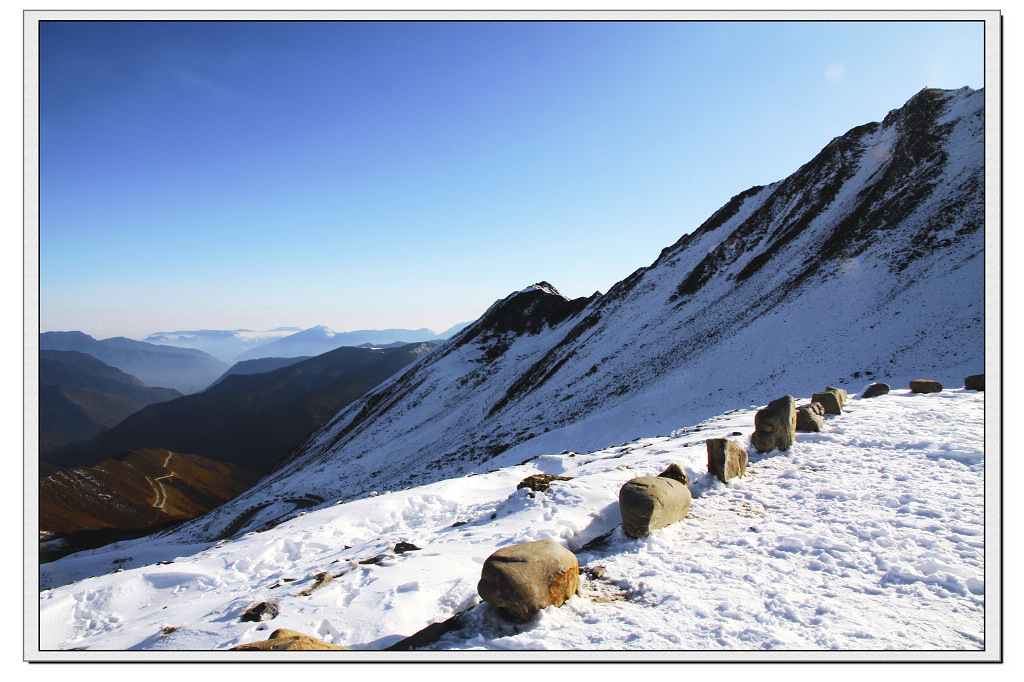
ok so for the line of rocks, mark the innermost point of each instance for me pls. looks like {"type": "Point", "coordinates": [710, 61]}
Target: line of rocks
{"type": "Point", "coordinates": [521, 580]}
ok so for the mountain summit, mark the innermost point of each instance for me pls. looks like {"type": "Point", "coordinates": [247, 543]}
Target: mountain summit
{"type": "Point", "coordinates": [866, 263]}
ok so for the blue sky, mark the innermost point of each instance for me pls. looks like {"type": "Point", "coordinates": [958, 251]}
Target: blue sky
{"type": "Point", "coordinates": [408, 174]}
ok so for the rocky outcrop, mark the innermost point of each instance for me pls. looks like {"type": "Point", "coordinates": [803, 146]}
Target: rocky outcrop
{"type": "Point", "coordinates": [875, 390]}
{"type": "Point", "coordinates": [648, 503]}
{"type": "Point", "coordinates": [523, 579]}
{"type": "Point", "coordinates": [775, 425]}
{"type": "Point", "coordinates": [925, 386]}
{"type": "Point", "coordinates": [975, 382]}
{"type": "Point", "coordinates": [810, 418]}
{"type": "Point", "coordinates": [726, 459]}
{"type": "Point", "coordinates": [540, 482]}
{"type": "Point", "coordinates": [289, 640]}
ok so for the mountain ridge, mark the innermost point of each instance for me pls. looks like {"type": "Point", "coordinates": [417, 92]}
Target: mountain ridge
{"type": "Point", "coordinates": [783, 287]}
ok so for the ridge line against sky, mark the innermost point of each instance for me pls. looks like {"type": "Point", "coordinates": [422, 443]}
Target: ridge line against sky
{"type": "Point", "coordinates": [405, 174]}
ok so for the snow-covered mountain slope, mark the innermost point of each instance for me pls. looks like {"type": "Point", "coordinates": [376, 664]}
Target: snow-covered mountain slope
{"type": "Point", "coordinates": [868, 536]}
{"type": "Point", "coordinates": [866, 262]}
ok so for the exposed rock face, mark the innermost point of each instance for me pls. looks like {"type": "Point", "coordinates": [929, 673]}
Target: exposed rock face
{"type": "Point", "coordinates": [648, 503]}
{"type": "Point", "coordinates": [775, 425]}
{"type": "Point", "coordinates": [726, 459]}
{"type": "Point", "coordinates": [925, 386]}
{"type": "Point", "coordinates": [809, 418]}
{"type": "Point", "coordinates": [319, 580]}
{"type": "Point", "coordinates": [520, 580]}
{"type": "Point", "coordinates": [830, 400]}
{"type": "Point", "coordinates": [875, 390]}
{"type": "Point", "coordinates": [540, 482]}
{"type": "Point", "coordinates": [289, 640]}
{"type": "Point", "coordinates": [676, 473]}
{"type": "Point", "coordinates": [975, 382]}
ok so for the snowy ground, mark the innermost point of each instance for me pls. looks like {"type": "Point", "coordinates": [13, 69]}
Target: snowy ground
{"type": "Point", "coordinates": [866, 537]}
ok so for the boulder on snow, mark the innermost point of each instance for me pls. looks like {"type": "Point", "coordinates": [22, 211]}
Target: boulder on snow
{"type": "Point", "coordinates": [648, 503]}
{"type": "Point", "coordinates": [726, 459]}
{"type": "Point", "coordinates": [875, 390]}
{"type": "Point", "coordinates": [262, 611]}
{"type": "Point", "coordinates": [843, 395]}
{"type": "Point", "coordinates": [816, 408]}
{"type": "Point", "coordinates": [775, 425]}
{"type": "Point", "coordinates": [810, 418]}
{"type": "Point", "coordinates": [520, 580]}
{"type": "Point", "coordinates": [676, 473]}
{"type": "Point", "coordinates": [540, 482]}
{"type": "Point", "coordinates": [832, 401]}
{"type": "Point", "coordinates": [925, 386]}
{"type": "Point", "coordinates": [975, 382]}
{"type": "Point", "coordinates": [289, 640]}
{"type": "Point", "coordinates": [319, 580]}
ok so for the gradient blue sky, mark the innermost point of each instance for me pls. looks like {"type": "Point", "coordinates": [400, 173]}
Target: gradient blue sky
{"type": "Point", "coordinates": [372, 175]}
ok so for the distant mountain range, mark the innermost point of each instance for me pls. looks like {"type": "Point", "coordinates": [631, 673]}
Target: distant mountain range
{"type": "Point", "coordinates": [258, 366]}
{"type": "Point", "coordinates": [250, 419]}
{"type": "Point", "coordinates": [320, 339]}
{"type": "Point", "coordinates": [80, 397]}
{"type": "Point", "coordinates": [237, 345]}
{"type": "Point", "coordinates": [184, 369]}
{"type": "Point", "coordinates": [225, 345]}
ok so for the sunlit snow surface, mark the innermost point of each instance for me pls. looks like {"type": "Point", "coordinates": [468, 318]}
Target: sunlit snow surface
{"type": "Point", "coordinates": [867, 536]}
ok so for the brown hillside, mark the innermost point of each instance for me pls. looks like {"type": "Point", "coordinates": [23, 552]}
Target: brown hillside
{"type": "Point", "coordinates": [137, 490]}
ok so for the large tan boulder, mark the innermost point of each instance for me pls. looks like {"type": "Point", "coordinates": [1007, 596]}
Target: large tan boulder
{"type": "Point", "coordinates": [726, 459]}
{"type": "Point", "coordinates": [520, 580]}
{"type": "Point", "coordinates": [832, 401]}
{"type": "Point", "coordinates": [676, 473]}
{"type": "Point", "coordinates": [648, 503]}
{"type": "Point", "coordinates": [925, 386]}
{"type": "Point", "coordinates": [775, 425]}
{"type": "Point", "coordinates": [975, 382]}
{"type": "Point", "coordinates": [289, 640]}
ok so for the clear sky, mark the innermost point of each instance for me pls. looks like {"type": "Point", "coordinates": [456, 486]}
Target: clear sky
{"type": "Point", "coordinates": [225, 175]}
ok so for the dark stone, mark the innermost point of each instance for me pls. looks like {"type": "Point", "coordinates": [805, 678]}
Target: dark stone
{"type": "Point", "coordinates": [260, 612]}
{"type": "Point", "coordinates": [843, 396]}
{"type": "Point", "coordinates": [726, 459]}
{"type": "Point", "coordinates": [540, 482]}
{"type": "Point", "coordinates": [809, 419]}
{"type": "Point", "coordinates": [875, 390]}
{"type": "Point", "coordinates": [648, 503]}
{"type": "Point", "coordinates": [975, 382]}
{"type": "Point", "coordinates": [925, 386]}
{"type": "Point", "coordinates": [402, 547]}
{"type": "Point", "coordinates": [775, 425]}
{"type": "Point", "coordinates": [676, 473]}
{"type": "Point", "coordinates": [832, 401]}
{"type": "Point", "coordinates": [431, 633]}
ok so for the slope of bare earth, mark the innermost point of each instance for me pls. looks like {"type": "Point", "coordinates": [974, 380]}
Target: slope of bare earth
{"type": "Point", "coordinates": [138, 491]}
